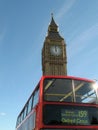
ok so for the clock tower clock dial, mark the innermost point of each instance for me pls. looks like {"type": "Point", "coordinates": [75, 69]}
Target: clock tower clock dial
{"type": "Point", "coordinates": [55, 50]}
{"type": "Point", "coordinates": [54, 61]}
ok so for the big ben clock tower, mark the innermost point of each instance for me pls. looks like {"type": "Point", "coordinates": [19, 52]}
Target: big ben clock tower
{"type": "Point", "coordinates": [54, 59]}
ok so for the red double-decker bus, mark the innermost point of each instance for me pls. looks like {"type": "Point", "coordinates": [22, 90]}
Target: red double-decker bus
{"type": "Point", "coordinates": [61, 103]}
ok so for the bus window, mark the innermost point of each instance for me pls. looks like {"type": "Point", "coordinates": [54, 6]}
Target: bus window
{"type": "Point", "coordinates": [84, 92]}
{"type": "Point", "coordinates": [58, 90]}
{"type": "Point", "coordinates": [30, 105]}
{"type": "Point", "coordinates": [36, 97]}
{"type": "Point", "coordinates": [68, 90]}
{"type": "Point", "coordinates": [18, 121]}
{"type": "Point", "coordinates": [25, 111]}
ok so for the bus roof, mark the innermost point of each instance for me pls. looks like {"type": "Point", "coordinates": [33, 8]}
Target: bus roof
{"type": "Point", "coordinates": [67, 77]}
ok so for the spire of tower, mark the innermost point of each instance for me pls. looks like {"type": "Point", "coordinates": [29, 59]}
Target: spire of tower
{"type": "Point", "coordinates": [51, 15]}
{"type": "Point", "coordinates": [53, 32]}
{"type": "Point", "coordinates": [53, 26]}
{"type": "Point", "coordinates": [52, 21]}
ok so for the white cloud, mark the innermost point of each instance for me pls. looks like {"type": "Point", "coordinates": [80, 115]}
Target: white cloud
{"type": "Point", "coordinates": [2, 114]}
{"type": "Point", "coordinates": [65, 8]}
{"type": "Point", "coordinates": [83, 40]}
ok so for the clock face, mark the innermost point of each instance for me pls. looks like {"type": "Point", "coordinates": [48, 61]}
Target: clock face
{"type": "Point", "coordinates": [55, 50]}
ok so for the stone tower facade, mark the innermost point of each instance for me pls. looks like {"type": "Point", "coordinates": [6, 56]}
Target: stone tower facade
{"type": "Point", "coordinates": [54, 59]}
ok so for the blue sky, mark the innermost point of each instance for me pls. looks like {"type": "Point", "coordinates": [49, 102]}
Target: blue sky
{"type": "Point", "coordinates": [23, 27]}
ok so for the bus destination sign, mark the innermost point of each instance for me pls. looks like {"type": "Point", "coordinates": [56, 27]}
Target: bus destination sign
{"type": "Point", "coordinates": [74, 116]}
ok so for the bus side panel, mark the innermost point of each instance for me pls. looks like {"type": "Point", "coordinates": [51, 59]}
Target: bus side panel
{"type": "Point", "coordinates": [29, 123]}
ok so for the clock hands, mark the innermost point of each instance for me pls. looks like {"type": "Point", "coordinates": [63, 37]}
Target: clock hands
{"type": "Point", "coordinates": [56, 49]}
